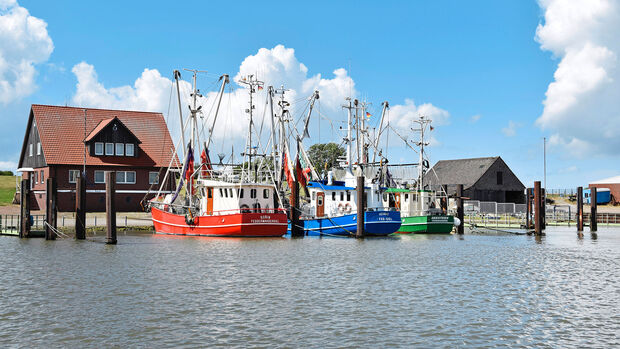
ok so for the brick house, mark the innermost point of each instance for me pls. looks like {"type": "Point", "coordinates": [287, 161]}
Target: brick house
{"type": "Point", "coordinates": [61, 142]}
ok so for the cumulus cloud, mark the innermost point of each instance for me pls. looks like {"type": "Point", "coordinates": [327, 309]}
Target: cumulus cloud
{"type": "Point", "coordinates": [402, 115]}
{"type": "Point", "coordinates": [276, 67]}
{"type": "Point", "coordinates": [582, 107]}
{"type": "Point", "coordinates": [475, 118]}
{"type": "Point", "coordinates": [24, 42]}
{"type": "Point", "coordinates": [8, 165]}
{"type": "Point", "coordinates": [511, 129]}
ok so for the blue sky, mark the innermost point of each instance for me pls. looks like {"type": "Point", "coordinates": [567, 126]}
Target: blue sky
{"type": "Point", "coordinates": [481, 65]}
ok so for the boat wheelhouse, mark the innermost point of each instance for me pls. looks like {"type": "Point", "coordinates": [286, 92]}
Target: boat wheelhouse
{"type": "Point", "coordinates": [419, 211]}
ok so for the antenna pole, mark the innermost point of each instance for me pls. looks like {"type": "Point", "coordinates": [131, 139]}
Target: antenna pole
{"type": "Point", "coordinates": [177, 76]}
{"type": "Point", "coordinates": [252, 83]}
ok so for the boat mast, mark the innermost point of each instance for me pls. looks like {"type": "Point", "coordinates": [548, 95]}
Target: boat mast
{"type": "Point", "coordinates": [177, 76]}
{"type": "Point", "coordinates": [314, 97]}
{"type": "Point", "coordinates": [193, 111]}
{"type": "Point", "coordinates": [386, 106]}
{"type": "Point", "coordinates": [225, 80]}
{"type": "Point", "coordinates": [349, 135]}
{"type": "Point", "coordinates": [357, 131]}
{"type": "Point", "coordinates": [252, 83]}
{"type": "Point", "coordinates": [422, 122]}
{"type": "Point", "coordinates": [274, 141]}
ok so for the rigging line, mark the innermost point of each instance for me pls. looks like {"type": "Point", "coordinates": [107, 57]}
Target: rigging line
{"type": "Point", "coordinates": [206, 118]}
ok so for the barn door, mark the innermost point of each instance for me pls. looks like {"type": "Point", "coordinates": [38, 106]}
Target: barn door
{"type": "Point", "coordinates": [320, 204]}
{"type": "Point", "coordinates": [209, 200]}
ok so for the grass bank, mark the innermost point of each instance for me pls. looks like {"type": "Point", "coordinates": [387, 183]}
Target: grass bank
{"type": "Point", "coordinates": [7, 189]}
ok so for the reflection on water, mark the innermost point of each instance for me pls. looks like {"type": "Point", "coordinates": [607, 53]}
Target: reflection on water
{"type": "Point", "coordinates": [415, 290]}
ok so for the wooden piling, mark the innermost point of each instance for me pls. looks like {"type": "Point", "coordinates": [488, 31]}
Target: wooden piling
{"type": "Point", "coordinates": [444, 199]}
{"type": "Point", "coordinates": [361, 207]}
{"type": "Point", "coordinates": [537, 208]}
{"type": "Point", "coordinates": [579, 209]}
{"type": "Point", "coordinates": [543, 210]}
{"type": "Point", "coordinates": [110, 207]}
{"type": "Point", "coordinates": [528, 208]}
{"type": "Point", "coordinates": [593, 204]}
{"type": "Point", "coordinates": [24, 212]}
{"type": "Point", "coordinates": [296, 229]}
{"type": "Point", "coordinates": [460, 213]}
{"type": "Point", "coordinates": [51, 212]}
{"type": "Point", "coordinates": [80, 208]}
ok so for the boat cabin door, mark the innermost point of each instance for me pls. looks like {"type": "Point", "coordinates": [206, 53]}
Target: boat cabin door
{"type": "Point", "coordinates": [320, 204]}
{"type": "Point", "coordinates": [209, 200]}
{"type": "Point", "coordinates": [397, 201]}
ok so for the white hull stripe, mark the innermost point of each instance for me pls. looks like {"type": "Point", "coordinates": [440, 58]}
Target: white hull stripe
{"type": "Point", "coordinates": [215, 226]}
{"type": "Point", "coordinates": [428, 223]}
{"type": "Point", "coordinates": [349, 225]}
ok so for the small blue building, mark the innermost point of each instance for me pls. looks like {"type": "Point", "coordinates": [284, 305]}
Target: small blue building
{"type": "Point", "coordinates": [603, 196]}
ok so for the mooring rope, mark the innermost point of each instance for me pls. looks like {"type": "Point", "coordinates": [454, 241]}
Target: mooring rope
{"type": "Point", "coordinates": [56, 231]}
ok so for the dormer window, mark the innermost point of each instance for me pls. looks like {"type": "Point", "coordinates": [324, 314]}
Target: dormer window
{"type": "Point", "coordinates": [129, 149]}
{"type": "Point", "coordinates": [120, 149]}
{"type": "Point", "coordinates": [98, 148]}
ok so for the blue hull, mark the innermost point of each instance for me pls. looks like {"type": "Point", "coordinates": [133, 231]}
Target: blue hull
{"type": "Point", "coordinates": [376, 223]}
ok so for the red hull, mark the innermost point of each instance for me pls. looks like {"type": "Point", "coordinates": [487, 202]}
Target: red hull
{"type": "Point", "coordinates": [236, 224]}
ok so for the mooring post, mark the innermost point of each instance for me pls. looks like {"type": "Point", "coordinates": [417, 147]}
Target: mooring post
{"type": "Point", "coordinates": [543, 203]}
{"type": "Point", "coordinates": [537, 209]}
{"type": "Point", "coordinates": [24, 213]}
{"type": "Point", "coordinates": [579, 209]}
{"type": "Point", "coordinates": [80, 208]}
{"type": "Point", "coordinates": [528, 208]}
{"type": "Point", "coordinates": [460, 213]}
{"type": "Point", "coordinates": [296, 229]}
{"type": "Point", "coordinates": [593, 203]}
{"type": "Point", "coordinates": [50, 209]}
{"type": "Point", "coordinates": [444, 199]}
{"type": "Point", "coordinates": [361, 207]}
{"type": "Point", "coordinates": [110, 207]}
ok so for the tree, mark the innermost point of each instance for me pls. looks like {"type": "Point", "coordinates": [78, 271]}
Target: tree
{"type": "Point", "coordinates": [324, 156]}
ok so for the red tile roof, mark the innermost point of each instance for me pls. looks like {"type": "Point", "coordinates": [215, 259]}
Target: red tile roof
{"type": "Point", "coordinates": [62, 135]}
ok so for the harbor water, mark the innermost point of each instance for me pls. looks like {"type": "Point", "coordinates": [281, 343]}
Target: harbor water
{"type": "Point", "coordinates": [476, 290]}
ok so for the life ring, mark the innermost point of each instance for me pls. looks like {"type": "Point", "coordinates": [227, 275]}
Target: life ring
{"type": "Point", "coordinates": [347, 208]}
{"type": "Point", "coordinates": [245, 209]}
{"type": "Point", "coordinates": [340, 208]}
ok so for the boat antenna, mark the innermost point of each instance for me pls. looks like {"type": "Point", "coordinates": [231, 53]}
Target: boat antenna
{"type": "Point", "coordinates": [253, 85]}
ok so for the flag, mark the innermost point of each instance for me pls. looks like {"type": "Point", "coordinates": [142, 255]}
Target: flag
{"type": "Point", "coordinates": [301, 177]}
{"type": "Point", "coordinates": [287, 171]}
{"type": "Point", "coordinates": [206, 167]}
{"type": "Point", "coordinates": [260, 87]}
{"type": "Point", "coordinates": [368, 115]}
{"type": "Point", "coordinates": [432, 128]}
{"type": "Point", "coordinates": [189, 171]}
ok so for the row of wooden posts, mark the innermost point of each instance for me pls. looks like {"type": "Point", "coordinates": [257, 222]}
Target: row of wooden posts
{"type": "Point", "coordinates": [536, 200]}
{"type": "Point", "coordinates": [51, 208]}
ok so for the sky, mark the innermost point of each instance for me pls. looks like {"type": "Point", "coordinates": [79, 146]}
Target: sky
{"type": "Point", "coordinates": [496, 77]}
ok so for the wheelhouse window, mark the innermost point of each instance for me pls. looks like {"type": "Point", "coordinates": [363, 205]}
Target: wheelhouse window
{"type": "Point", "coordinates": [129, 151]}
{"type": "Point", "coordinates": [99, 176]}
{"type": "Point", "coordinates": [348, 196]}
{"type": "Point", "coordinates": [333, 196]}
{"type": "Point", "coordinates": [265, 193]}
{"type": "Point", "coordinates": [120, 149]}
{"type": "Point", "coordinates": [252, 193]}
{"type": "Point", "coordinates": [98, 148]}
{"type": "Point", "coordinates": [109, 149]}
{"type": "Point", "coordinates": [341, 196]}
{"type": "Point", "coordinates": [230, 192]}
{"type": "Point", "coordinates": [240, 193]}
{"type": "Point", "coordinates": [73, 176]}
{"type": "Point", "coordinates": [125, 177]}
{"type": "Point", "coordinates": [153, 177]}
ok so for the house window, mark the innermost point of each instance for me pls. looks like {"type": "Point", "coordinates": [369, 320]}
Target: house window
{"type": "Point", "coordinates": [265, 193]}
{"type": "Point", "coordinates": [500, 178]}
{"type": "Point", "coordinates": [99, 176]}
{"type": "Point", "coordinates": [129, 149]}
{"type": "Point", "coordinates": [252, 193]}
{"type": "Point", "coordinates": [98, 148]}
{"type": "Point", "coordinates": [30, 149]}
{"type": "Point", "coordinates": [125, 177]}
{"type": "Point", "coordinates": [73, 176]}
{"type": "Point", "coordinates": [42, 175]}
{"type": "Point", "coordinates": [36, 177]}
{"type": "Point", "coordinates": [38, 148]}
{"type": "Point", "coordinates": [109, 149]}
{"type": "Point", "coordinates": [153, 177]}
{"type": "Point", "coordinates": [120, 149]}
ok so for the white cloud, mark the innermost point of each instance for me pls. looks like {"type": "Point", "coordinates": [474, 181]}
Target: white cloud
{"type": "Point", "coordinates": [24, 42]}
{"type": "Point", "coordinates": [475, 118]}
{"type": "Point", "coordinates": [8, 165]}
{"type": "Point", "coordinates": [402, 115]}
{"type": "Point", "coordinates": [511, 129]}
{"type": "Point", "coordinates": [582, 107]}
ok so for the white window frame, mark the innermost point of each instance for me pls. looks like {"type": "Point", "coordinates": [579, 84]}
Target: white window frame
{"type": "Point", "coordinates": [111, 153]}
{"type": "Point", "coordinates": [121, 147]}
{"type": "Point", "coordinates": [156, 178]}
{"type": "Point", "coordinates": [124, 174]}
{"type": "Point", "coordinates": [95, 177]}
{"type": "Point", "coordinates": [75, 177]}
{"type": "Point", "coordinates": [132, 147]}
{"type": "Point", "coordinates": [102, 147]}
{"type": "Point", "coordinates": [38, 148]}
{"type": "Point", "coordinates": [30, 148]}
{"type": "Point", "coordinates": [41, 175]}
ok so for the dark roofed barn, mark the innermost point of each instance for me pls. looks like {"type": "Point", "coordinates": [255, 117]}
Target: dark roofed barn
{"type": "Point", "coordinates": [484, 179]}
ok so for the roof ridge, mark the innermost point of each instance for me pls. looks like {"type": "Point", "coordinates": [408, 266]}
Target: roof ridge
{"type": "Point", "coordinates": [89, 108]}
